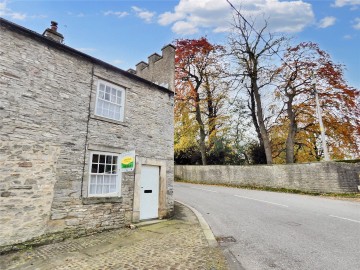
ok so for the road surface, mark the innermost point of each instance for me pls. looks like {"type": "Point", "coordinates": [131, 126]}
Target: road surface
{"type": "Point", "coordinates": [279, 230]}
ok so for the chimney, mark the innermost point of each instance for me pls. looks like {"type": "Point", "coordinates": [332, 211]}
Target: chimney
{"type": "Point", "coordinates": [52, 33]}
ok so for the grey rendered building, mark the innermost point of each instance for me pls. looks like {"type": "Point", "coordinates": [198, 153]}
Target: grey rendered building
{"type": "Point", "coordinates": [66, 118]}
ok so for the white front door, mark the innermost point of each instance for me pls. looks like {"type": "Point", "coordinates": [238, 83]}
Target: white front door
{"type": "Point", "coordinates": [149, 197]}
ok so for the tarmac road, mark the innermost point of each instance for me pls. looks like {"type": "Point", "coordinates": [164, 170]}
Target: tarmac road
{"type": "Point", "coordinates": [279, 230]}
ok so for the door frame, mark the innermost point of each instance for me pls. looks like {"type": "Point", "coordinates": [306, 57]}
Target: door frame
{"type": "Point", "coordinates": [162, 211]}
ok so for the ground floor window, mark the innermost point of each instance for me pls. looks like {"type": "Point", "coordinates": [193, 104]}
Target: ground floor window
{"type": "Point", "coordinates": [104, 176]}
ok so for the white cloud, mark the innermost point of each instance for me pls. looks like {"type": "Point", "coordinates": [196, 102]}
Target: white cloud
{"type": "Point", "coordinates": [327, 21]}
{"type": "Point", "coordinates": [342, 3]}
{"type": "Point", "coordinates": [348, 37]}
{"type": "Point", "coordinates": [79, 15]}
{"type": "Point", "coordinates": [7, 12]}
{"type": "Point", "coordinates": [117, 62]}
{"type": "Point", "coordinates": [283, 16]}
{"type": "Point", "coordinates": [118, 14]}
{"type": "Point", "coordinates": [356, 24]}
{"type": "Point", "coordinates": [144, 14]}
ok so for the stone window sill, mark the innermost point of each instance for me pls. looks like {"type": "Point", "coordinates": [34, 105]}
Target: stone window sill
{"type": "Point", "coordinates": [98, 200]}
{"type": "Point", "coordinates": [104, 119]}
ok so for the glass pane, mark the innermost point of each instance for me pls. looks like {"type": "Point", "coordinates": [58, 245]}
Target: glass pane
{"type": "Point", "coordinates": [99, 185]}
{"type": "Point", "coordinates": [114, 169]}
{"type": "Point", "coordinates": [102, 158]}
{"type": "Point", "coordinates": [118, 100]}
{"type": "Point", "coordinates": [108, 169]}
{"type": "Point", "coordinates": [113, 98]}
{"type": "Point", "coordinates": [107, 97]}
{"type": "Point", "coordinates": [107, 90]}
{"type": "Point", "coordinates": [113, 180]}
{"type": "Point", "coordinates": [95, 158]}
{"type": "Point", "coordinates": [105, 189]}
{"type": "Point", "coordinates": [114, 159]}
{"type": "Point", "coordinates": [113, 91]}
{"type": "Point", "coordinates": [92, 189]}
{"type": "Point", "coordinates": [108, 159]}
{"type": "Point", "coordinates": [117, 116]}
{"type": "Point", "coordinates": [101, 168]}
{"type": "Point", "coordinates": [101, 94]}
{"type": "Point", "coordinates": [94, 168]}
{"type": "Point", "coordinates": [102, 87]}
{"type": "Point", "coordinates": [107, 179]}
{"type": "Point", "coordinates": [93, 180]}
{"type": "Point", "coordinates": [106, 105]}
{"type": "Point", "coordinates": [98, 189]}
{"type": "Point", "coordinates": [112, 189]}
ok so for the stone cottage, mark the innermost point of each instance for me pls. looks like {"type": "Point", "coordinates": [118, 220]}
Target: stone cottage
{"type": "Point", "coordinates": [66, 121]}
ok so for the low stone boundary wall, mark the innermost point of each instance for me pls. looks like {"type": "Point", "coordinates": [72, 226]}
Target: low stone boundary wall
{"type": "Point", "coordinates": [324, 177]}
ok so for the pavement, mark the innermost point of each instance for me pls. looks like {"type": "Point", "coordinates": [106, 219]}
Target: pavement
{"type": "Point", "coordinates": [179, 243]}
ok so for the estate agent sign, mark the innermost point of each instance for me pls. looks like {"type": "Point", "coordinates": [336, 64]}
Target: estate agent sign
{"type": "Point", "coordinates": [127, 161]}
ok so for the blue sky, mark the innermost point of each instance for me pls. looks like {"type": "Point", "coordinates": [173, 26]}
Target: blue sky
{"type": "Point", "coordinates": [124, 33]}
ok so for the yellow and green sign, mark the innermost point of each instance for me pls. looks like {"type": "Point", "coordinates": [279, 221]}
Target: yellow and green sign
{"type": "Point", "coordinates": [127, 161]}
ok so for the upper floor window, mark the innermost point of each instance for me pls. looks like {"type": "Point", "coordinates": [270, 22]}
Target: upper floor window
{"type": "Point", "coordinates": [110, 101]}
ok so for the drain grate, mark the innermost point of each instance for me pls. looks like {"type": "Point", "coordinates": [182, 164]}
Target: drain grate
{"type": "Point", "coordinates": [225, 239]}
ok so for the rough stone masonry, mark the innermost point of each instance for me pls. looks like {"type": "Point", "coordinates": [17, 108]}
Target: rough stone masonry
{"type": "Point", "coordinates": [49, 127]}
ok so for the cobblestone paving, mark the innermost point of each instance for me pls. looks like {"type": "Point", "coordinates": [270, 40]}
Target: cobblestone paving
{"type": "Point", "coordinates": [173, 244]}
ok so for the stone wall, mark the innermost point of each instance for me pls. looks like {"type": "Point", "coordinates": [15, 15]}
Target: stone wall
{"type": "Point", "coordinates": [48, 128]}
{"type": "Point", "coordinates": [327, 177]}
{"type": "Point", "coordinates": [28, 174]}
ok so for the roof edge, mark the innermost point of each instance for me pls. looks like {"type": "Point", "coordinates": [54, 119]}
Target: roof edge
{"type": "Point", "coordinates": [70, 50]}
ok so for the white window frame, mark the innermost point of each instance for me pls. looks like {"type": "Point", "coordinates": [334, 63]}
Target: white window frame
{"type": "Point", "coordinates": [117, 193]}
{"type": "Point", "coordinates": [110, 103]}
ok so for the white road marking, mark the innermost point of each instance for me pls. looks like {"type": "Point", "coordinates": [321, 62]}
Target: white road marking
{"type": "Point", "coordinates": [204, 189]}
{"type": "Point", "coordinates": [348, 219]}
{"type": "Point", "coordinates": [278, 204]}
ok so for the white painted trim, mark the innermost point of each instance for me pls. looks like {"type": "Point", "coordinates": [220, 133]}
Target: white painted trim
{"type": "Point", "coordinates": [118, 178]}
{"type": "Point", "coordinates": [123, 97]}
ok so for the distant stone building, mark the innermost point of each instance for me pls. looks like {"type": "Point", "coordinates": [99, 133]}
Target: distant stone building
{"type": "Point", "coordinates": [66, 121]}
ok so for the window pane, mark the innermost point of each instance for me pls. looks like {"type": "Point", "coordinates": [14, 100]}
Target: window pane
{"type": "Point", "coordinates": [107, 90]}
{"type": "Point", "coordinates": [113, 98]}
{"type": "Point", "coordinates": [100, 182]}
{"type": "Point", "coordinates": [114, 171]}
{"type": "Point", "coordinates": [95, 158]}
{"type": "Point", "coordinates": [107, 97]}
{"type": "Point", "coordinates": [102, 158]}
{"type": "Point", "coordinates": [92, 189]}
{"type": "Point", "coordinates": [106, 105]}
{"type": "Point", "coordinates": [108, 159]}
{"type": "Point", "coordinates": [102, 87]}
{"type": "Point", "coordinates": [101, 94]}
{"type": "Point", "coordinates": [112, 189]}
{"type": "Point", "coordinates": [107, 179]}
{"type": "Point", "coordinates": [94, 168]}
{"type": "Point", "coordinates": [105, 189]}
{"type": "Point", "coordinates": [93, 180]}
{"type": "Point", "coordinates": [113, 180]}
{"type": "Point", "coordinates": [108, 169]}
{"type": "Point", "coordinates": [114, 160]}
{"type": "Point", "coordinates": [113, 91]}
{"type": "Point", "coordinates": [101, 168]}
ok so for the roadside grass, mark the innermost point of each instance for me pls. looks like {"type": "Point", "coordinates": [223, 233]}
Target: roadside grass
{"type": "Point", "coordinates": [352, 196]}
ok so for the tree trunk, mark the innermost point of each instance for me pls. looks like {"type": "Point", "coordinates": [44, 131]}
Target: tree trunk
{"type": "Point", "coordinates": [260, 118]}
{"type": "Point", "coordinates": [202, 130]}
{"type": "Point", "coordinates": [290, 141]}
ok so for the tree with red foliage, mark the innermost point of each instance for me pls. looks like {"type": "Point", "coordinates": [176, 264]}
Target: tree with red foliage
{"type": "Point", "coordinates": [339, 103]}
{"type": "Point", "coordinates": [199, 88]}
